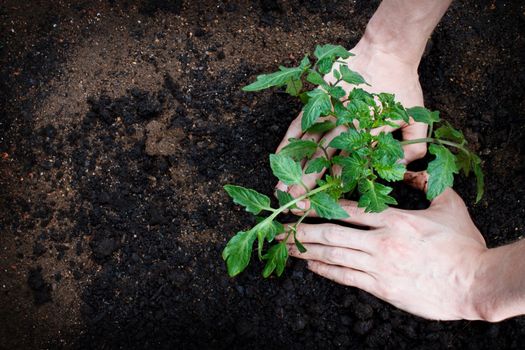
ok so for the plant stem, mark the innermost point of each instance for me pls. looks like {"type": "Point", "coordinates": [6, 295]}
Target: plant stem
{"type": "Point", "coordinates": [294, 228]}
{"type": "Point", "coordinates": [438, 141]}
{"type": "Point", "coordinates": [298, 199]}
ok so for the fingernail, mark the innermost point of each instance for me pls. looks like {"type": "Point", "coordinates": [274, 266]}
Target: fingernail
{"type": "Point", "coordinates": [301, 205]}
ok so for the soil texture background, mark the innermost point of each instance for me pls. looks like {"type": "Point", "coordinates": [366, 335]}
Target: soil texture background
{"type": "Point", "coordinates": [120, 121]}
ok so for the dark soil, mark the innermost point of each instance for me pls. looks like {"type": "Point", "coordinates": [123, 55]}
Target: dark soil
{"type": "Point", "coordinates": [121, 122]}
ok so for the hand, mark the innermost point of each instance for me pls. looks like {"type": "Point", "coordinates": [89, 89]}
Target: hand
{"type": "Point", "coordinates": [424, 262]}
{"type": "Point", "coordinates": [385, 72]}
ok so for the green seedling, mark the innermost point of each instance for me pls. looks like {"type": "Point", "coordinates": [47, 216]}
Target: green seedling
{"type": "Point", "coordinates": [366, 160]}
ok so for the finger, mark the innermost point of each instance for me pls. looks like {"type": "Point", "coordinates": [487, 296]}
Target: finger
{"type": "Point", "coordinates": [294, 132]}
{"type": "Point", "coordinates": [310, 179]}
{"type": "Point", "coordinates": [336, 236]}
{"type": "Point", "coordinates": [315, 137]}
{"type": "Point", "coordinates": [357, 215]}
{"type": "Point", "coordinates": [351, 258]}
{"type": "Point", "coordinates": [414, 131]}
{"type": "Point", "coordinates": [343, 275]}
{"type": "Point", "coordinates": [417, 179]}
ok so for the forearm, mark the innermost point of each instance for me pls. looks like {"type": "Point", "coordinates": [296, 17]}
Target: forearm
{"type": "Point", "coordinates": [402, 27]}
{"type": "Point", "coordinates": [499, 288]}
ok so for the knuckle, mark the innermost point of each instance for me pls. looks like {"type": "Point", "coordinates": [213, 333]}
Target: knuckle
{"type": "Point", "coordinates": [335, 255]}
{"type": "Point", "coordinates": [348, 279]}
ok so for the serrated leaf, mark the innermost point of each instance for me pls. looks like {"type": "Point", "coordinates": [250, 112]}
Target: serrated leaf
{"type": "Point", "coordinates": [463, 162]}
{"type": "Point", "coordinates": [350, 140]}
{"type": "Point", "coordinates": [298, 149]}
{"type": "Point", "coordinates": [327, 54]}
{"type": "Point", "coordinates": [337, 75]}
{"type": "Point", "coordinates": [315, 78]}
{"type": "Point", "coordinates": [447, 132]}
{"type": "Point", "coordinates": [305, 63]}
{"type": "Point", "coordinates": [374, 196]}
{"type": "Point", "coordinates": [285, 198]}
{"type": "Point", "coordinates": [326, 207]}
{"type": "Point", "coordinates": [350, 76]}
{"type": "Point", "coordinates": [267, 229]}
{"type": "Point", "coordinates": [360, 110]}
{"type": "Point", "coordinates": [480, 178]}
{"type": "Point", "coordinates": [318, 104]}
{"type": "Point", "coordinates": [388, 146]}
{"type": "Point", "coordinates": [362, 95]}
{"type": "Point", "coordinates": [275, 259]}
{"type": "Point", "coordinates": [279, 78]}
{"type": "Point", "coordinates": [440, 171]}
{"type": "Point", "coordinates": [321, 127]}
{"type": "Point", "coordinates": [391, 109]}
{"type": "Point", "coordinates": [286, 169]}
{"type": "Point", "coordinates": [336, 92]}
{"type": "Point", "coordinates": [317, 165]}
{"type": "Point", "coordinates": [293, 87]}
{"type": "Point", "coordinates": [252, 200]}
{"type": "Point", "coordinates": [423, 115]}
{"type": "Point", "coordinates": [238, 251]}
{"type": "Point", "coordinates": [390, 171]}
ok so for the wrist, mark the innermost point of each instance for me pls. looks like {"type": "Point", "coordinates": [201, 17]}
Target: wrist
{"type": "Point", "coordinates": [377, 38]}
{"type": "Point", "coordinates": [498, 289]}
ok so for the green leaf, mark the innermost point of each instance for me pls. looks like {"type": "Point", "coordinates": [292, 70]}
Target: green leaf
{"type": "Point", "coordinates": [285, 169]}
{"type": "Point", "coordinates": [298, 244]}
{"type": "Point", "coordinates": [351, 77]}
{"type": "Point", "coordinates": [336, 92]}
{"type": "Point", "coordinates": [480, 179]}
{"type": "Point", "coordinates": [238, 251]}
{"type": "Point", "coordinates": [251, 199]}
{"type": "Point", "coordinates": [350, 140]}
{"type": "Point", "coordinates": [317, 165]}
{"type": "Point", "coordinates": [285, 198]}
{"type": "Point", "coordinates": [337, 75]}
{"type": "Point", "coordinates": [360, 110]}
{"type": "Point", "coordinates": [267, 229]}
{"type": "Point", "coordinates": [279, 78]}
{"type": "Point", "coordinates": [463, 161]}
{"type": "Point", "coordinates": [468, 161]}
{"type": "Point", "coordinates": [326, 207]}
{"type": "Point", "coordinates": [374, 196]}
{"type": "Point", "coordinates": [447, 132]}
{"type": "Point", "coordinates": [276, 259]}
{"type": "Point", "coordinates": [298, 149]}
{"type": "Point", "coordinates": [321, 127]}
{"type": "Point", "coordinates": [362, 95]}
{"type": "Point", "coordinates": [315, 78]}
{"type": "Point", "coordinates": [390, 171]}
{"type": "Point", "coordinates": [352, 166]}
{"type": "Point", "coordinates": [318, 104]}
{"type": "Point", "coordinates": [423, 115]}
{"type": "Point", "coordinates": [336, 189]}
{"type": "Point", "coordinates": [305, 63]}
{"type": "Point", "coordinates": [388, 146]}
{"type": "Point", "coordinates": [391, 110]}
{"type": "Point", "coordinates": [294, 86]}
{"type": "Point", "coordinates": [327, 54]}
{"type": "Point", "coordinates": [440, 171]}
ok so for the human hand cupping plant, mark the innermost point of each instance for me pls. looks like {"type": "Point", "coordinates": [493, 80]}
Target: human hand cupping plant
{"type": "Point", "coordinates": [366, 160]}
{"type": "Point", "coordinates": [385, 72]}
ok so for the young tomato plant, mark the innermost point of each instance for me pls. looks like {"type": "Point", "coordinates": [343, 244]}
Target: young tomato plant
{"type": "Point", "coordinates": [364, 158]}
